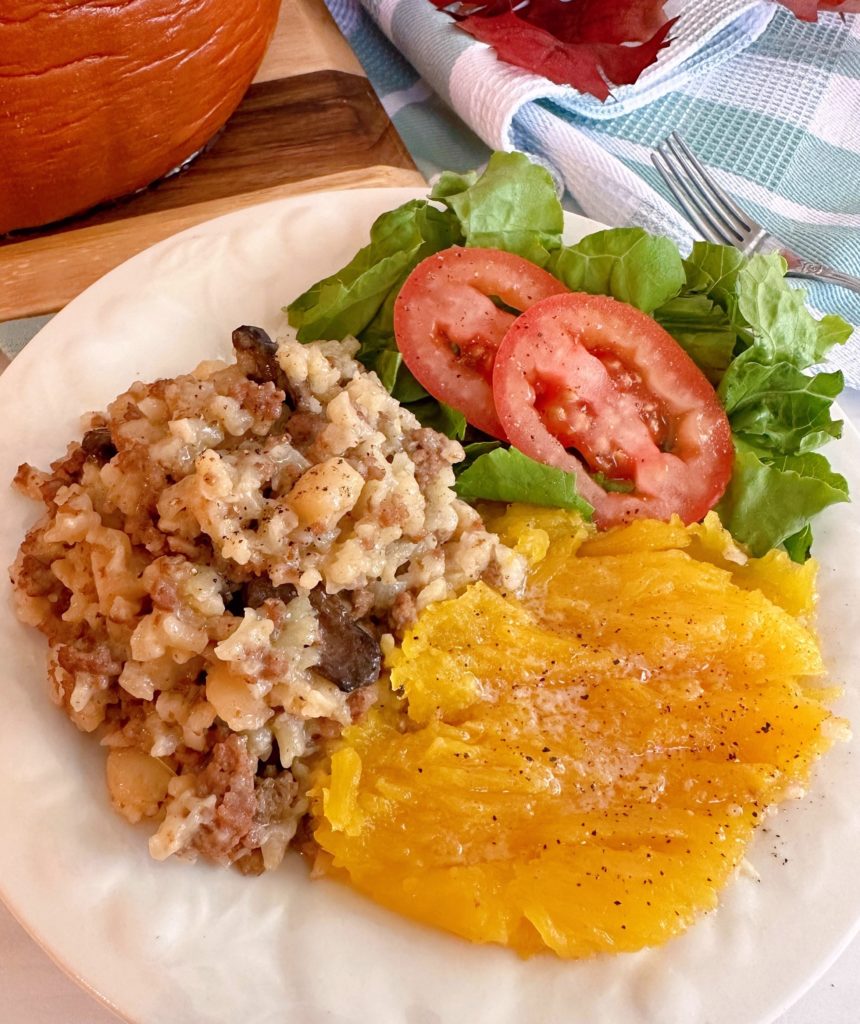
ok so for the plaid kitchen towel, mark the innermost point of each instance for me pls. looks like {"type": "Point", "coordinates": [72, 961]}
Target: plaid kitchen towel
{"type": "Point", "coordinates": [769, 103]}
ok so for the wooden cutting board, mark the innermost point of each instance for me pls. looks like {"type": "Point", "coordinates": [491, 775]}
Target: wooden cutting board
{"type": "Point", "coordinates": [310, 121]}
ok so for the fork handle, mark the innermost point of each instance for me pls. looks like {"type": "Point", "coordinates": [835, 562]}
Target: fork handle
{"type": "Point", "coordinates": [809, 271]}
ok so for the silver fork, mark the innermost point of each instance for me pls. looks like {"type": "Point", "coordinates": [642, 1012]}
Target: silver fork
{"type": "Point", "coordinates": [719, 219]}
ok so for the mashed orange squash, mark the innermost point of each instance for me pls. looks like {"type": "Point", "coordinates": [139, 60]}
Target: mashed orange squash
{"type": "Point", "coordinates": [582, 768]}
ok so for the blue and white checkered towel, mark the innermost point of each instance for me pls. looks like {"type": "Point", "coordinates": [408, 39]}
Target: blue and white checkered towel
{"type": "Point", "coordinates": [769, 103]}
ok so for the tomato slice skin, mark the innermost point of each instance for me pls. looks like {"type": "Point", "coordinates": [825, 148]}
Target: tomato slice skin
{"type": "Point", "coordinates": [591, 373]}
{"type": "Point", "coordinates": [448, 329]}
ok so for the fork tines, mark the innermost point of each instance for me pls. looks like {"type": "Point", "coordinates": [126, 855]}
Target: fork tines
{"type": "Point", "coordinates": [717, 217]}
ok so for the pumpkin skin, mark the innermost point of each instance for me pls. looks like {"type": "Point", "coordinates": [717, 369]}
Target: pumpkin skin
{"type": "Point", "coordinates": [100, 98]}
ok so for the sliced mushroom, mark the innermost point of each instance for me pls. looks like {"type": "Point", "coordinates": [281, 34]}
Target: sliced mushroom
{"type": "Point", "coordinates": [260, 589]}
{"type": "Point", "coordinates": [98, 445]}
{"type": "Point", "coordinates": [349, 656]}
{"type": "Point", "coordinates": [256, 357]}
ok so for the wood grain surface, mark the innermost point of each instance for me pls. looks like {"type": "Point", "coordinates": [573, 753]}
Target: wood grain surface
{"type": "Point", "coordinates": [310, 121]}
{"type": "Point", "coordinates": [306, 38]}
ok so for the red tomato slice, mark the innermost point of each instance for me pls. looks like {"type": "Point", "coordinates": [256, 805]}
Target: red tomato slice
{"type": "Point", "coordinates": [588, 373]}
{"type": "Point", "coordinates": [448, 328]}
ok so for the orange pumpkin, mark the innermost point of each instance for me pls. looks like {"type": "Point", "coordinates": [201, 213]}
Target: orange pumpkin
{"type": "Point", "coordinates": [99, 98]}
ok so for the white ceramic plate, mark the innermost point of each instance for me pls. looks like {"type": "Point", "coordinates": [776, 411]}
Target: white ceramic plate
{"type": "Point", "coordinates": [201, 945]}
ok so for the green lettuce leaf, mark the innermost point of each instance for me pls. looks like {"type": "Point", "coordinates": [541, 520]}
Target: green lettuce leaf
{"type": "Point", "coordinates": [378, 336]}
{"type": "Point", "coordinates": [626, 263]}
{"type": "Point", "coordinates": [798, 545]}
{"type": "Point", "coordinates": [608, 483]}
{"type": "Point", "coordinates": [505, 474]}
{"type": "Point", "coordinates": [779, 408]}
{"type": "Point", "coordinates": [782, 326]}
{"type": "Point", "coordinates": [770, 501]}
{"type": "Point", "coordinates": [702, 328]}
{"type": "Point", "coordinates": [512, 206]}
{"type": "Point", "coordinates": [713, 269]}
{"type": "Point", "coordinates": [395, 376]}
{"type": "Point", "coordinates": [474, 451]}
{"type": "Point", "coordinates": [441, 417]}
{"type": "Point", "coordinates": [346, 302]}
{"type": "Point", "coordinates": [406, 388]}
{"type": "Point", "coordinates": [387, 366]}
{"type": "Point", "coordinates": [778, 414]}
{"type": "Point", "coordinates": [450, 183]}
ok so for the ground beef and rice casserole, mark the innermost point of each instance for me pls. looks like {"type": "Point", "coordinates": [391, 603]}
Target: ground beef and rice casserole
{"type": "Point", "coordinates": [221, 556]}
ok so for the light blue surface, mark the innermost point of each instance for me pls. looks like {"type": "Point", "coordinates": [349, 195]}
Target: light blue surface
{"type": "Point", "coordinates": [14, 334]}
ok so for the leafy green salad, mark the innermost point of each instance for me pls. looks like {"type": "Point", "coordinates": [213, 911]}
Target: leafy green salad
{"type": "Point", "coordinates": [737, 317]}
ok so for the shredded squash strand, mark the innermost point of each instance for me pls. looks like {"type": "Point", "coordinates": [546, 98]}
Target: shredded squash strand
{"type": "Point", "coordinates": [582, 769]}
